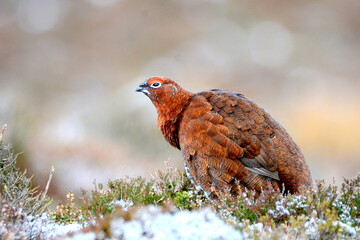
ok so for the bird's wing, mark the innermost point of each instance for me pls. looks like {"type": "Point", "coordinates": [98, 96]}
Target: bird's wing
{"type": "Point", "coordinates": [228, 136]}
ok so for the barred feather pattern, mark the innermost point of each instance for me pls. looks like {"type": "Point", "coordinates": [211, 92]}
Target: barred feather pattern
{"type": "Point", "coordinates": [228, 142]}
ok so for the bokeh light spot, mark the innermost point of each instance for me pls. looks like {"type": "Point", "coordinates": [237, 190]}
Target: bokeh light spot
{"type": "Point", "coordinates": [270, 44]}
{"type": "Point", "coordinates": [103, 3]}
{"type": "Point", "coordinates": [36, 16]}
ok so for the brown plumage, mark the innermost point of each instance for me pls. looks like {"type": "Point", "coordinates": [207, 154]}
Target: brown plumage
{"type": "Point", "coordinates": [228, 143]}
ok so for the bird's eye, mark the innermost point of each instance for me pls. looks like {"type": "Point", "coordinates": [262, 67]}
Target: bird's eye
{"type": "Point", "coordinates": [156, 85]}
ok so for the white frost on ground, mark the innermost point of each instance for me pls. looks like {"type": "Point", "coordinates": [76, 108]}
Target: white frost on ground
{"type": "Point", "coordinates": [83, 236]}
{"type": "Point", "coordinates": [52, 230]}
{"type": "Point", "coordinates": [312, 227]}
{"type": "Point", "coordinates": [34, 227]}
{"type": "Point", "coordinates": [152, 223]}
{"type": "Point", "coordinates": [122, 203]}
{"type": "Point", "coordinates": [350, 231]}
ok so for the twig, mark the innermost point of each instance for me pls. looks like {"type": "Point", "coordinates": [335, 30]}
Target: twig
{"type": "Point", "coordinates": [48, 183]}
{"type": "Point", "coordinates": [2, 131]}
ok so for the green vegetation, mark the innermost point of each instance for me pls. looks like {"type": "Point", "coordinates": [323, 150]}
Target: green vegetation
{"type": "Point", "coordinates": [170, 186]}
{"type": "Point", "coordinates": [18, 199]}
{"type": "Point", "coordinates": [324, 212]}
{"type": "Point", "coordinates": [16, 188]}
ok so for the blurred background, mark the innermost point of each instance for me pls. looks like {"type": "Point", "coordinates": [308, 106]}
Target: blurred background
{"type": "Point", "coordinates": [68, 71]}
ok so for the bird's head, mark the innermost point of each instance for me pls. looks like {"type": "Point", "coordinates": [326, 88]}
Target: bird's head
{"type": "Point", "coordinates": [159, 89]}
{"type": "Point", "coordinates": [165, 94]}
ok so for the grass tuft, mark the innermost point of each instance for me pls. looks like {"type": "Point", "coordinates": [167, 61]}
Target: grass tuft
{"type": "Point", "coordinates": [323, 212]}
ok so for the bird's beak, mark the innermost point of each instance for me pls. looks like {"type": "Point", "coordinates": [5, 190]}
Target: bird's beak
{"type": "Point", "coordinates": [142, 88]}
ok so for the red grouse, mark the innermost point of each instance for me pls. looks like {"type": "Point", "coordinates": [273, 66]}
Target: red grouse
{"type": "Point", "coordinates": [228, 142]}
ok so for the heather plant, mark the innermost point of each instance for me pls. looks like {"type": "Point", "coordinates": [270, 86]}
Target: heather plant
{"type": "Point", "coordinates": [169, 186]}
{"type": "Point", "coordinates": [21, 204]}
{"type": "Point", "coordinates": [16, 187]}
{"type": "Point", "coordinates": [323, 212]}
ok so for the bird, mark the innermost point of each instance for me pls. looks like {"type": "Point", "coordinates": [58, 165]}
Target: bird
{"type": "Point", "coordinates": [229, 144]}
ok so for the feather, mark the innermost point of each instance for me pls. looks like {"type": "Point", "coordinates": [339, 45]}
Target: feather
{"type": "Point", "coordinates": [228, 142]}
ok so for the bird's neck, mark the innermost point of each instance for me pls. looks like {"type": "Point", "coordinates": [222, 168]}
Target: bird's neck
{"type": "Point", "coordinates": [170, 109]}
{"type": "Point", "coordinates": [170, 114]}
